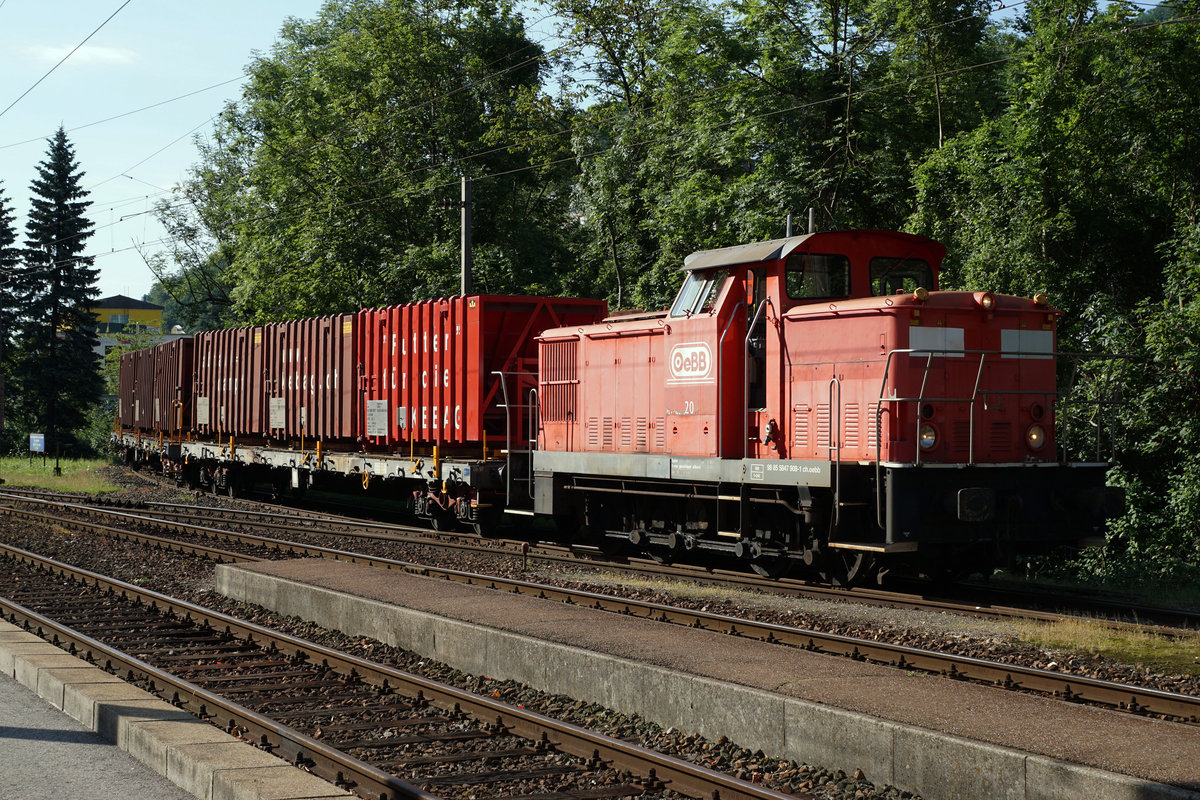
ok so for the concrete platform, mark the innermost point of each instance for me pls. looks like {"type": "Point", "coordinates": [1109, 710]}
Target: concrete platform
{"type": "Point", "coordinates": [936, 736]}
{"type": "Point", "coordinates": [87, 734]}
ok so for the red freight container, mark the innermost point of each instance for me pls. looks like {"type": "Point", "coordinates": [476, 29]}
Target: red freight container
{"type": "Point", "coordinates": [172, 412]}
{"type": "Point", "coordinates": [228, 394]}
{"type": "Point", "coordinates": [426, 369]}
{"type": "Point", "coordinates": [308, 378]}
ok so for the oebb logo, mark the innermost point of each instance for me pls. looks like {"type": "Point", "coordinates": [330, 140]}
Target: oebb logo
{"type": "Point", "coordinates": [691, 361]}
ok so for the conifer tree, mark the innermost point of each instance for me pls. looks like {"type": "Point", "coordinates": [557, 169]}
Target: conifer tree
{"type": "Point", "coordinates": [10, 288]}
{"type": "Point", "coordinates": [56, 369]}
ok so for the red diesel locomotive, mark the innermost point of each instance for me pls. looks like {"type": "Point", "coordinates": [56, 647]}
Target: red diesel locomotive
{"type": "Point", "coordinates": [808, 400]}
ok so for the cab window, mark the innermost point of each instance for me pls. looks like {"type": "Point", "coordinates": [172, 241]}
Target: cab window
{"type": "Point", "coordinates": [892, 275]}
{"type": "Point", "coordinates": [699, 292]}
{"type": "Point", "coordinates": [817, 276]}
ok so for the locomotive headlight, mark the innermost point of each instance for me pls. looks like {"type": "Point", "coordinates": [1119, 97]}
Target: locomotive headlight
{"type": "Point", "coordinates": [986, 300]}
{"type": "Point", "coordinates": [927, 436]}
{"type": "Point", "coordinates": [1035, 437]}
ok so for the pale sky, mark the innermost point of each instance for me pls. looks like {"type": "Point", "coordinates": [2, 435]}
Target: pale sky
{"type": "Point", "coordinates": [152, 51]}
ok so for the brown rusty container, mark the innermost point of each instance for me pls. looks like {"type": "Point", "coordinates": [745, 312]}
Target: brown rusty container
{"type": "Point", "coordinates": [173, 372]}
{"type": "Point", "coordinates": [308, 384]}
{"type": "Point", "coordinates": [228, 399]}
{"type": "Point", "coordinates": [126, 381]}
{"type": "Point", "coordinates": [143, 393]}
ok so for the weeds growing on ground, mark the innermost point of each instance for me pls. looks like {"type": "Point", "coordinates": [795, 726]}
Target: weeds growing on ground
{"type": "Point", "coordinates": [81, 475]}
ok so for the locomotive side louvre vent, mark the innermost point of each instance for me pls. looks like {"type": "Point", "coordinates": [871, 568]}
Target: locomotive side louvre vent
{"type": "Point", "coordinates": [560, 378]}
{"type": "Point", "coordinates": [641, 435]}
{"type": "Point", "coordinates": [800, 425]}
{"type": "Point", "coordinates": [626, 433]}
{"type": "Point", "coordinates": [606, 433]}
{"type": "Point", "coordinates": [874, 421]}
{"type": "Point", "coordinates": [960, 435]}
{"type": "Point", "coordinates": [593, 433]}
{"type": "Point", "coordinates": [660, 434]}
{"type": "Point", "coordinates": [1000, 436]}
{"type": "Point", "coordinates": [850, 425]}
{"type": "Point", "coordinates": [823, 425]}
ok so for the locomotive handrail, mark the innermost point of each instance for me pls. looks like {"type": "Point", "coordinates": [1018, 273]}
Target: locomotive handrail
{"type": "Point", "coordinates": [507, 438]}
{"type": "Point", "coordinates": [1076, 360]}
{"type": "Point", "coordinates": [835, 445]}
{"type": "Point", "coordinates": [531, 434]}
{"type": "Point", "coordinates": [977, 391]}
{"type": "Point", "coordinates": [762, 306]}
{"type": "Point", "coordinates": [533, 423]}
{"type": "Point", "coordinates": [921, 398]}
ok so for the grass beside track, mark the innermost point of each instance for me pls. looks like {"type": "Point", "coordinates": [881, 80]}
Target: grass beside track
{"type": "Point", "coordinates": [82, 475]}
{"type": "Point", "coordinates": [1177, 654]}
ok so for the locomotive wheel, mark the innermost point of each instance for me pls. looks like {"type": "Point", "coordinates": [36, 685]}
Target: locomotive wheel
{"type": "Point", "coordinates": [847, 567]}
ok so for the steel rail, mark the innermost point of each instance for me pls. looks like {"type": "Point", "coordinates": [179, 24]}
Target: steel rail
{"type": "Point", "coordinates": [289, 744]}
{"type": "Point", "coordinates": [1185, 708]}
{"type": "Point", "coordinates": [559, 554]}
{"type": "Point", "coordinates": [656, 768]}
{"type": "Point", "coordinates": [993, 606]}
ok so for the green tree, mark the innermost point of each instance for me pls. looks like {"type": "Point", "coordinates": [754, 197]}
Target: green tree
{"type": "Point", "coordinates": [322, 186]}
{"type": "Point", "coordinates": [713, 120]}
{"type": "Point", "coordinates": [11, 295]}
{"type": "Point", "coordinates": [55, 367]}
{"type": "Point", "coordinates": [195, 298]}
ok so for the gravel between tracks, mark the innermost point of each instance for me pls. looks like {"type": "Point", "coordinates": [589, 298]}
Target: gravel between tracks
{"type": "Point", "coordinates": [191, 578]}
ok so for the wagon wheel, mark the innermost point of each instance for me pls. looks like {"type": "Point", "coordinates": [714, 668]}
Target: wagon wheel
{"type": "Point", "coordinates": [661, 554]}
{"type": "Point", "coordinates": [847, 567]}
{"type": "Point", "coordinates": [439, 520]}
{"type": "Point", "coordinates": [487, 524]}
{"type": "Point", "coordinates": [771, 566]}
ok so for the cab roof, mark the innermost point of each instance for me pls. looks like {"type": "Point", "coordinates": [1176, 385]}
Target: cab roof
{"type": "Point", "coordinates": [776, 249]}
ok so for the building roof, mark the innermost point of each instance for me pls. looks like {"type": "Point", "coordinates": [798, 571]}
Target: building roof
{"type": "Point", "coordinates": [121, 301]}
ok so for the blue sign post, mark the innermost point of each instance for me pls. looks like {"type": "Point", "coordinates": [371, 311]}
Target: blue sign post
{"type": "Point", "coordinates": [37, 444]}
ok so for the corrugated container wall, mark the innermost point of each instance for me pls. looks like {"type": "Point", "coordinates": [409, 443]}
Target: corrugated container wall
{"type": "Point", "coordinates": [427, 368]}
{"type": "Point", "coordinates": [228, 396]}
{"type": "Point", "coordinates": [172, 412]}
{"type": "Point", "coordinates": [126, 381]}
{"type": "Point", "coordinates": [143, 394]}
{"type": "Point", "coordinates": [309, 378]}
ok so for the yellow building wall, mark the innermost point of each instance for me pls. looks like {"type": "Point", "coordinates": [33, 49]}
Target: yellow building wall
{"type": "Point", "coordinates": [146, 317]}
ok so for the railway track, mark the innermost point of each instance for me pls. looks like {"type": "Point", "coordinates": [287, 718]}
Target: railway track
{"type": "Point", "coordinates": [1170, 705]}
{"type": "Point", "coordinates": [367, 727]}
{"type": "Point", "coordinates": [973, 600]}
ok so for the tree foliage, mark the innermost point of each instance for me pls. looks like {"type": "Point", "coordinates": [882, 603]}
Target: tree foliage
{"type": "Point", "coordinates": [55, 370]}
{"type": "Point", "coordinates": [321, 188]}
{"type": "Point", "coordinates": [11, 294]}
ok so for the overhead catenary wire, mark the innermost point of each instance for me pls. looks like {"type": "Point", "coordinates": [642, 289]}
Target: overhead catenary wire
{"type": "Point", "coordinates": [128, 113]}
{"type": "Point", "coordinates": [64, 58]}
